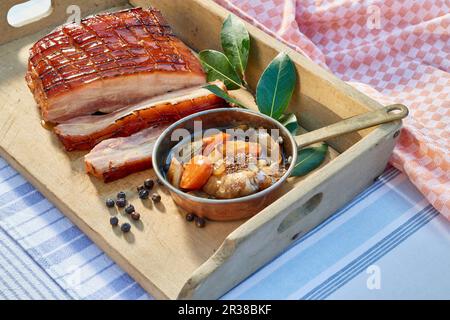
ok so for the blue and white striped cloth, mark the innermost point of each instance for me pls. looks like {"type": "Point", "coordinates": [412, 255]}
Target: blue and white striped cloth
{"type": "Point", "coordinates": [388, 231]}
{"type": "Point", "coordinates": [55, 246]}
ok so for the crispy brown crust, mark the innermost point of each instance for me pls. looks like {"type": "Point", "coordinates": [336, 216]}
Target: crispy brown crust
{"type": "Point", "coordinates": [141, 119]}
{"type": "Point", "coordinates": [105, 46]}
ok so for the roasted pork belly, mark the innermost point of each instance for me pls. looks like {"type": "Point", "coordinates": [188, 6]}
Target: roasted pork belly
{"type": "Point", "coordinates": [108, 62]}
{"type": "Point", "coordinates": [83, 133]}
{"type": "Point", "coordinates": [116, 158]}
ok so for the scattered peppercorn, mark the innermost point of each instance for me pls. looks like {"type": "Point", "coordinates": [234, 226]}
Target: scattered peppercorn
{"type": "Point", "coordinates": [143, 194]}
{"type": "Point", "coordinates": [139, 188]}
{"type": "Point", "coordinates": [190, 217]}
{"type": "Point", "coordinates": [148, 184]}
{"type": "Point", "coordinates": [200, 222]}
{"type": "Point", "coordinates": [135, 216]}
{"type": "Point", "coordinates": [121, 202]}
{"type": "Point", "coordinates": [156, 197]}
{"type": "Point", "coordinates": [114, 221]}
{"type": "Point", "coordinates": [125, 227]}
{"type": "Point", "coordinates": [109, 203]}
{"type": "Point", "coordinates": [129, 209]}
{"type": "Point", "coordinates": [159, 182]}
{"type": "Point", "coordinates": [121, 195]}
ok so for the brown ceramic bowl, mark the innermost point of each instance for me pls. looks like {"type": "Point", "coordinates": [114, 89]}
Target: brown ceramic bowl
{"type": "Point", "coordinates": [222, 209]}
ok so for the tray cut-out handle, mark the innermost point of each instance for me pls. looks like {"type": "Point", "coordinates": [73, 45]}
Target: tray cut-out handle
{"type": "Point", "coordinates": [57, 15]}
{"type": "Point", "coordinates": [305, 209]}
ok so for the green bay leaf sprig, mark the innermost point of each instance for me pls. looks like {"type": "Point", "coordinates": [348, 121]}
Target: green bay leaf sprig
{"type": "Point", "coordinates": [289, 120]}
{"type": "Point", "coordinates": [236, 44]}
{"type": "Point", "coordinates": [276, 86]}
{"type": "Point", "coordinates": [218, 67]}
{"type": "Point", "coordinates": [273, 91]}
{"type": "Point", "coordinates": [309, 158]}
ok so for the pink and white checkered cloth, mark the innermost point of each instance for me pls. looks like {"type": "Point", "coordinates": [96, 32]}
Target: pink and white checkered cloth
{"type": "Point", "coordinates": [393, 51]}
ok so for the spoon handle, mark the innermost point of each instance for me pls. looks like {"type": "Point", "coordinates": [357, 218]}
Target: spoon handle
{"type": "Point", "coordinates": [359, 122]}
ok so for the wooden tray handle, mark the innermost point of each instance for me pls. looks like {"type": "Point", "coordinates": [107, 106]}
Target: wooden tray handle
{"type": "Point", "coordinates": [56, 17]}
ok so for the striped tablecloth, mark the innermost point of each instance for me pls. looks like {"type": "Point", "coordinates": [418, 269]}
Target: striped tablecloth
{"type": "Point", "coordinates": [387, 243]}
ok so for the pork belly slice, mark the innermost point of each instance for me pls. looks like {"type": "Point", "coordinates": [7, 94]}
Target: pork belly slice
{"type": "Point", "coordinates": [116, 158]}
{"type": "Point", "coordinates": [109, 61]}
{"type": "Point", "coordinates": [83, 133]}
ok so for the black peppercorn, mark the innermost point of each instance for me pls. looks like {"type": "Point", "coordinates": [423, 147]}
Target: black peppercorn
{"type": "Point", "coordinates": [139, 188]}
{"type": "Point", "coordinates": [129, 209]}
{"type": "Point", "coordinates": [114, 221]}
{"type": "Point", "coordinates": [121, 202]}
{"type": "Point", "coordinates": [125, 227]}
{"type": "Point", "coordinates": [190, 217]}
{"type": "Point", "coordinates": [159, 182]}
{"type": "Point", "coordinates": [156, 197]}
{"type": "Point", "coordinates": [143, 194]}
{"type": "Point", "coordinates": [200, 222]}
{"type": "Point", "coordinates": [121, 195]}
{"type": "Point", "coordinates": [148, 184]}
{"type": "Point", "coordinates": [109, 203]}
{"type": "Point", "coordinates": [135, 216]}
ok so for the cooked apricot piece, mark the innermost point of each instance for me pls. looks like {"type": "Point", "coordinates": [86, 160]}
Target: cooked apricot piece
{"type": "Point", "coordinates": [219, 137]}
{"type": "Point", "coordinates": [211, 142]}
{"type": "Point", "coordinates": [196, 173]}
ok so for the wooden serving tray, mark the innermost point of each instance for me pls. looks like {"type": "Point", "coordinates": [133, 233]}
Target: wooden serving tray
{"type": "Point", "coordinates": [169, 257]}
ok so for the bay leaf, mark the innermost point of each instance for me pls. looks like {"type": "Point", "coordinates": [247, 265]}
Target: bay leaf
{"type": "Point", "coordinates": [218, 67]}
{"type": "Point", "coordinates": [276, 85]}
{"type": "Point", "coordinates": [309, 159]}
{"type": "Point", "coordinates": [235, 43]}
{"type": "Point", "coordinates": [289, 120]}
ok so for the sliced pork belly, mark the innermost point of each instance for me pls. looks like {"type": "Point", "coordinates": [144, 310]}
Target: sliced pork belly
{"type": "Point", "coordinates": [108, 62]}
{"type": "Point", "coordinates": [83, 133]}
{"type": "Point", "coordinates": [116, 158]}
